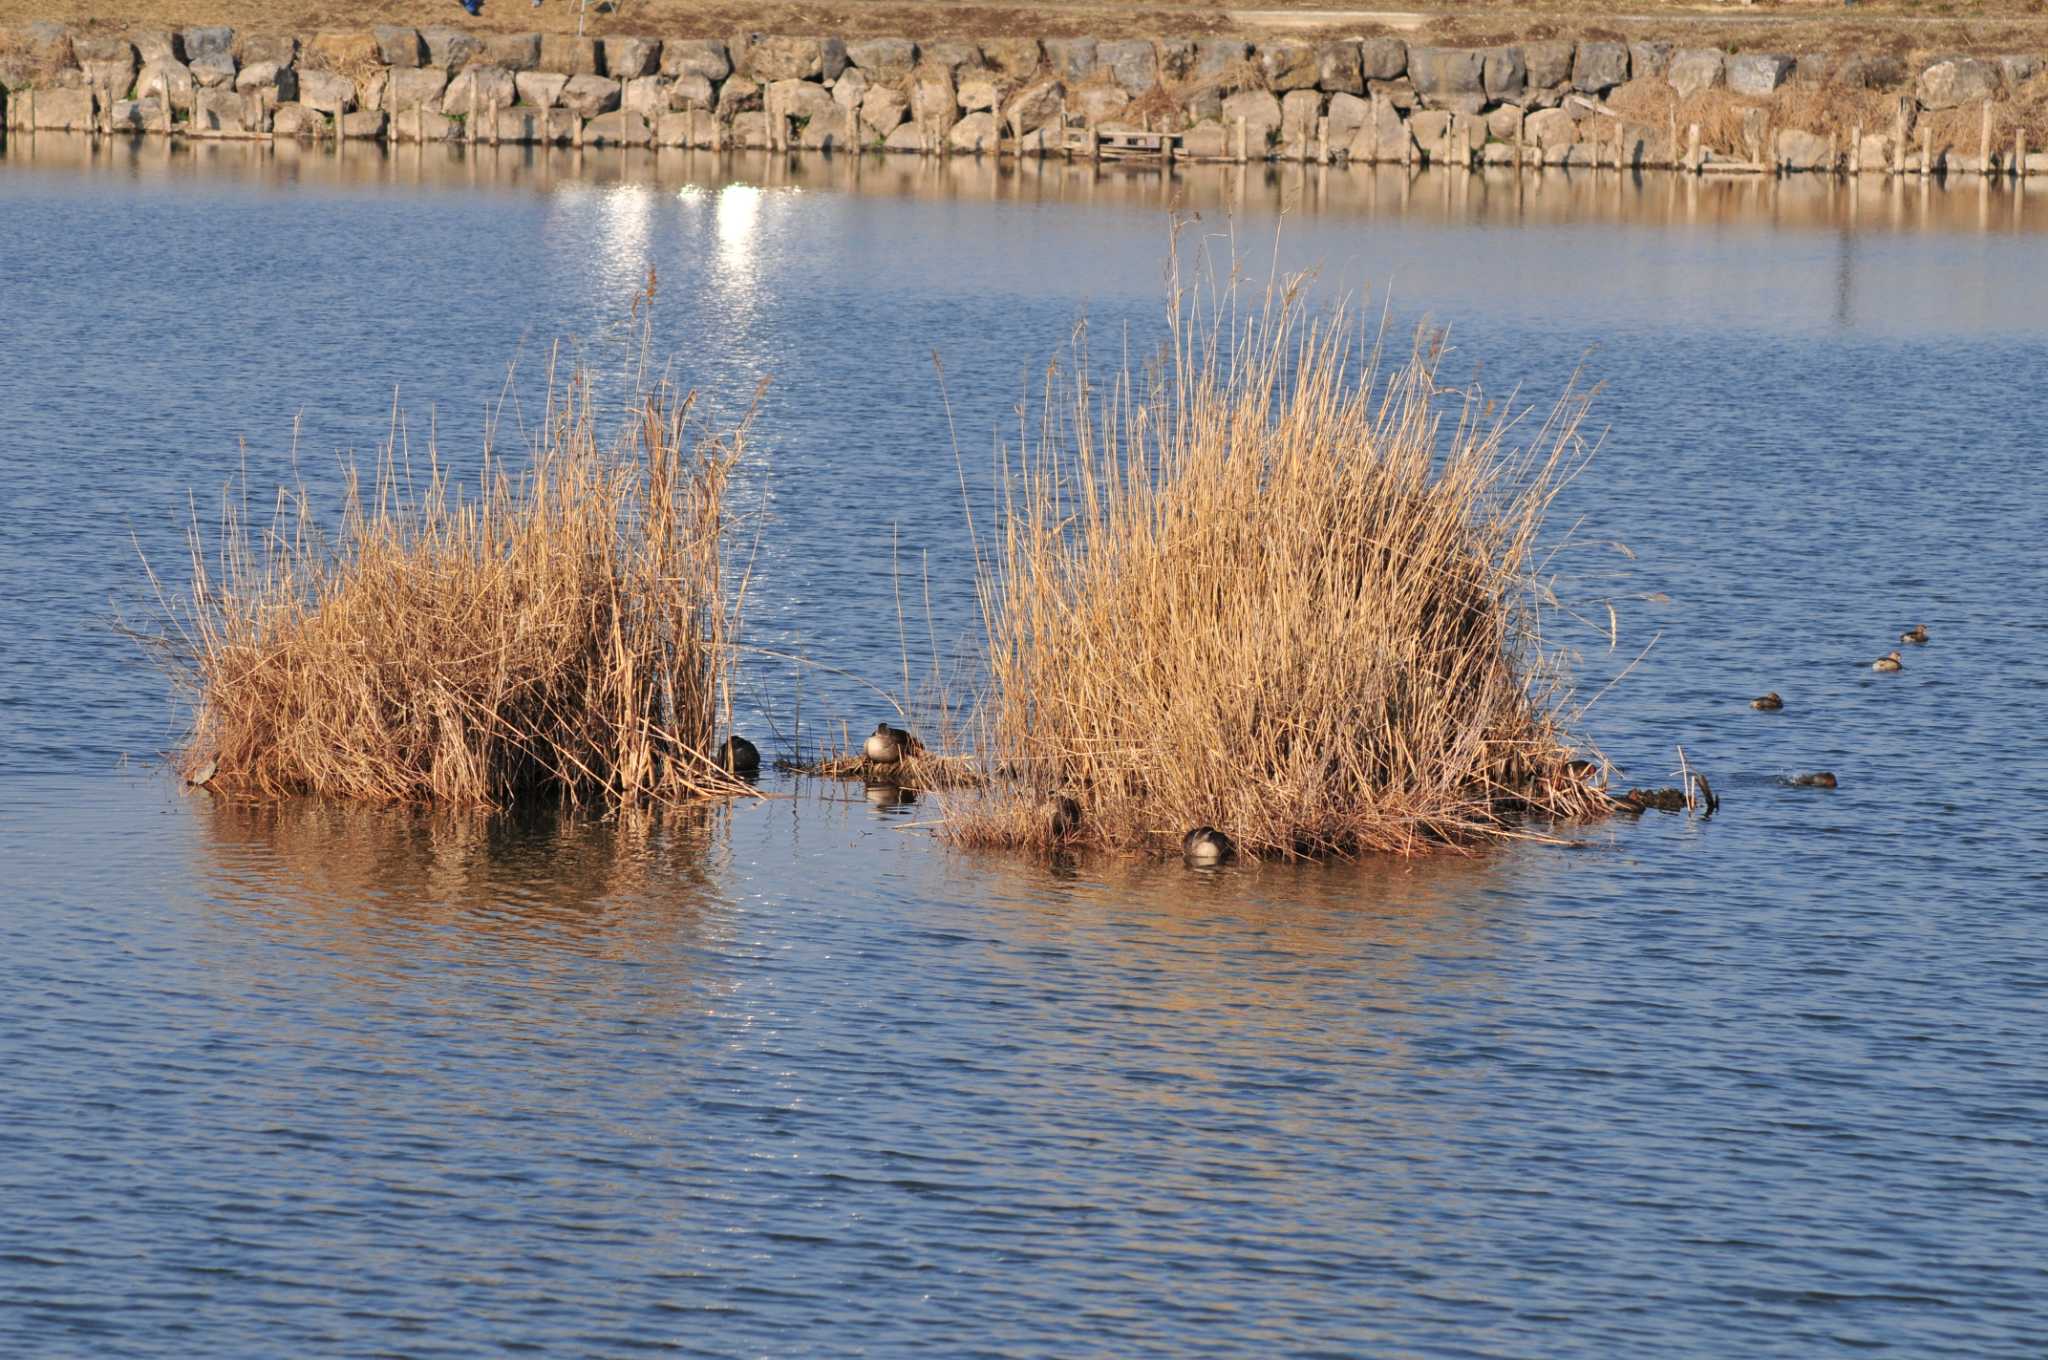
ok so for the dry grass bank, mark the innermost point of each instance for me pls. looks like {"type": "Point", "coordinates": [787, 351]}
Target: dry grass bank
{"type": "Point", "coordinates": [1273, 592]}
{"type": "Point", "coordinates": [558, 631]}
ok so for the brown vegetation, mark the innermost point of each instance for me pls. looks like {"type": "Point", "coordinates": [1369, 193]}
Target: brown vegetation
{"type": "Point", "coordinates": [1272, 593]}
{"type": "Point", "coordinates": [559, 632]}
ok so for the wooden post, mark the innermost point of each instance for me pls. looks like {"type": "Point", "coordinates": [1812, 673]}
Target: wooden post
{"type": "Point", "coordinates": [1856, 150]}
{"type": "Point", "coordinates": [1243, 142]}
{"type": "Point", "coordinates": [1094, 144]}
{"type": "Point", "coordinates": [469, 123]}
{"type": "Point", "coordinates": [1984, 144]}
{"type": "Point", "coordinates": [1926, 151]}
{"type": "Point", "coordinates": [1323, 140]}
{"type": "Point", "coordinates": [1899, 137]}
{"type": "Point", "coordinates": [2019, 155]}
{"type": "Point", "coordinates": [1692, 149]}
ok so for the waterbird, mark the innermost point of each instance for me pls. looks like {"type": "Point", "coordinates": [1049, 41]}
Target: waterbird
{"type": "Point", "coordinates": [890, 744]}
{"type": "Point", "coordinates": [1819, 779]}
{"type": "Point", "coordinates": [1917, 635]}
{"type": "Point", "coordinates": [1204, 846]}
{"type": "Point", "coordinates": [739, 755]}
{"type": "Point", "coordinates": [1769, 703]}
{"type": "Point", "coordinates": [204, 774]}
{"type": "Point", "coordinates": [1063, 816]}
{"type": "Point", "coordinates": [1888, 662]}
{"type": "Point", "coordinates": [473, 6]}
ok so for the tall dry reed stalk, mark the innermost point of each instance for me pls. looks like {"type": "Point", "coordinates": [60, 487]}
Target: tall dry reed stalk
{"type": "Point", "coordinates": [1273, 592]}
{"type": "Point", "coordinates": [557, 631]}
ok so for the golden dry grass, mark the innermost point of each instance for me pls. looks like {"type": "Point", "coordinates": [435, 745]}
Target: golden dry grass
{"type": "Point", "coordinates": [1273, 592]}
{"type": "Point", "coordinates": [559, 631]}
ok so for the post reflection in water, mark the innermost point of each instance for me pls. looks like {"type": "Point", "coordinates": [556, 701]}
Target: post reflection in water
{"type": "Point", "coordinates": [1495, 194]}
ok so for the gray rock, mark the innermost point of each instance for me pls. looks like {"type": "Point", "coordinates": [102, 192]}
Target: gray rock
{"type": "Point", "coordinates": [977, 92]}
{"type": "Point", "coordinates": [800, 99]}
{"type": "Point", "coordinates": [693, 92]}
{"type": "Point", "coordinates": [494, 87]}
{"type": "Point", "coordinates": [1198, 102]}
{"type": "Point", "coordinates": [58, 110]}
{"type": "Point", "coordinates": [1097, 104]}
{"type": "Point", "coordinates": [2017, 70]}
{"type": "Point", "coordinates": [1505, 123]}
{"type": "Point", "coordinates": [112, 77]}
{"type": "Point", "coordinates": [1599, 67]}
{"type": "Point", "coordinates": [1177, 58]}
{"type": "Point", "coordinates": [1383, 58]}
{"type": "Point", "coordinates": [451, 47]}
{"type": "Point", "coordinates": [277, 84]}
{"type": "Point", "coordinates": [418, 87]}
{"type": "Point", "coordinates": [1758, 73]}
{"type": "Point", "coordinates": [1695, 70]}
{"type": "Point", "coordinates": [1384, 138]}
{"type": "Point", "coordinates": [1504, 73]}
{"type": "Point", "coordinates": [1802, 150]}
{"type": "Point", "coordinates": [1869, 71]}
{"type": "Point", "coordinates": [327, 91]}
{"type": "Point", "coordinates": [222, 111]}
{"type": "Point", "coordinates": [399, 46]}
{"type": "Point", "coordinates": [772, 57]}
{"type": "Point", "coordinates": [1348, 113]}
{"type": "Point", "coordinates": [1648, 59]}
{"type": "Point", "coordinates": [1131, 63]}
{"type": "Point", "coordinates": [1288, 66]}
{"type": "Point", "coordinates": [852, 84]}
{"type": "Point", "coordinates": [171, 81]}
{"type": "Point", "coordinates": [882, 110]}
{"type": "Point", "coordinates": [585, 96]}
{"type": "Point", "coordinates": [157, 44]}
{"type": "Point", "coordinates": [261, 49]}
{"type": "Point", "coordinates": [512, 51]}
{"type": "Point", "coordinates": [1957, 81]}
{"type": "Point", "coordinates": [1014, 57]}
{"type": "Point", "coordinates": [1338, 72]}
{"type": "Point", "coordinates": [1214, 56]}
{"type": "Point", "coordinates": [1448, 78]}
{"type": "Point", "coordinates": [1399, 93]}
{"type": "Point", "coordinates": [214, 70]}
{"type": "Point", "coordinates": [907, 138]}
{"type": "Point", "coordinates": [934, 104]}
{"type": "Point", "coordinates": [364, 125]}
{"type": "Point", "coordinates": [85, 51]}
{"type": "Point", "coordinates": [703, 57]}
{"type": "Point", "coordinates": [827, 134]}
{"type": "Point", "coordinates": [736, 93]}
{"type": "Point", "coordinates": [883, 58]}
{"type": "Point", "coordinates": [621, 127]}
{"type": "Point", "coordinates": [949, 55]}
{"type": "Point", "coordinates": [645, 95]}
{"type": "Point", "coordinates": [1549, 128]}
{"type": "Point", "coordinates": [207, 42]}
{"type": "Point", "coordinates": [631, 58]}
{"type": "Point", "coordinates": [137, 115]}
{"type": "Point", "coordinates": [1549, 63]}
{"type": "Point", "coordinates": [977, 132]}
{"type": "Point", "coordinates": [539, 89]}
{"type": "Point", "coordinates": [295, 120]}
{"type": "Point", "coordinates": [1299, 110]}
{"type": "Point", "coordinates": [1072, 59]}
{"type": "Point", "coordinates": [570, 55]}
{"type": "Point", "coordinates": [1260, 111]}
{"type": "Point", "coordinates": [1205, 141]}
{"type": "Point", "coordinates": [1430, 128]}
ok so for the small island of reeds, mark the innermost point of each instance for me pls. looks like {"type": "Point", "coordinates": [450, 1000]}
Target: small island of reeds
{"type": "Point", "coordinates": [1281, 586]}
{"type": "Point", "coordinates": [556, 629]}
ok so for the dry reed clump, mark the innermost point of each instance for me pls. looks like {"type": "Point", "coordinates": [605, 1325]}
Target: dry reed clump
{"type": "Point", "coordinates": [559, 632]}
{"type": "Point", "coordinates": [1273, 594]}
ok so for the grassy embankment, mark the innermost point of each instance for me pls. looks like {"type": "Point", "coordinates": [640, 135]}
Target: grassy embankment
{"type": "Point", "coordinates": [1271, 591]}
{"type": "Point", "coordinates": [560, 631]}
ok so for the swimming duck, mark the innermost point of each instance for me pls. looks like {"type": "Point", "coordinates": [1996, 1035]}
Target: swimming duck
{"type": "Point", "coordinates": [739, 755]}
{"type": "Point", "coordinates": [1204, 846]}
{"type": "Point", "coordinates": [1819, 779]}
{"type": "Point", "coordinates": [890, 744]}
{"type": "Point", "coordinates": [1889, 662]}
{"type": "Point", "coordinates": [1917, 635]}
{"type": "Point", "coordinates": [1769, 703]}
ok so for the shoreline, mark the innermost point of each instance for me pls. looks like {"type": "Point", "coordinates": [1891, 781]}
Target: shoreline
{"type": "Point", "coordinates": [1591, 104]}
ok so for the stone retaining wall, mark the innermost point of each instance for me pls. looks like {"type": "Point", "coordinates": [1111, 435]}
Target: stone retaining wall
{"type": "Point", "coordinates": [1371, 100]}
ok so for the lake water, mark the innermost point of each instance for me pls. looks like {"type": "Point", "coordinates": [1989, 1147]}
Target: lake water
{"type": "Point", "coordinates": [789, 1077]}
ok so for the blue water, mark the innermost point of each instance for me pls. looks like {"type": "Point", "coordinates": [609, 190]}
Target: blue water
{"type": "Point", "coordinates": [792, 1078]}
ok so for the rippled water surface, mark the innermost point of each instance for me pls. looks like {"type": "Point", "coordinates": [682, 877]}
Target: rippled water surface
{"type": "Point", "coordinates": [789, 1078]}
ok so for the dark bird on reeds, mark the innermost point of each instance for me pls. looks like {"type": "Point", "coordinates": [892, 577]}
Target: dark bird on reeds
{"type": "Point", "coordinates": [890, 744]}
{"type": "Point", "coordinates": [1917, 635]}
{"type": "Point", "coordinates": [1063, 816]}
{"type": "Point", "coordinates": [739, 755]}
{"type": "Point", "coordinates": [1888, 662]}
{"type": "Point", "coordinates": [1769, 703]}
{"type": "Point", "coordinates": [1819, 779]}
{"type": "Point", "coordinates": [1206, 846]}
